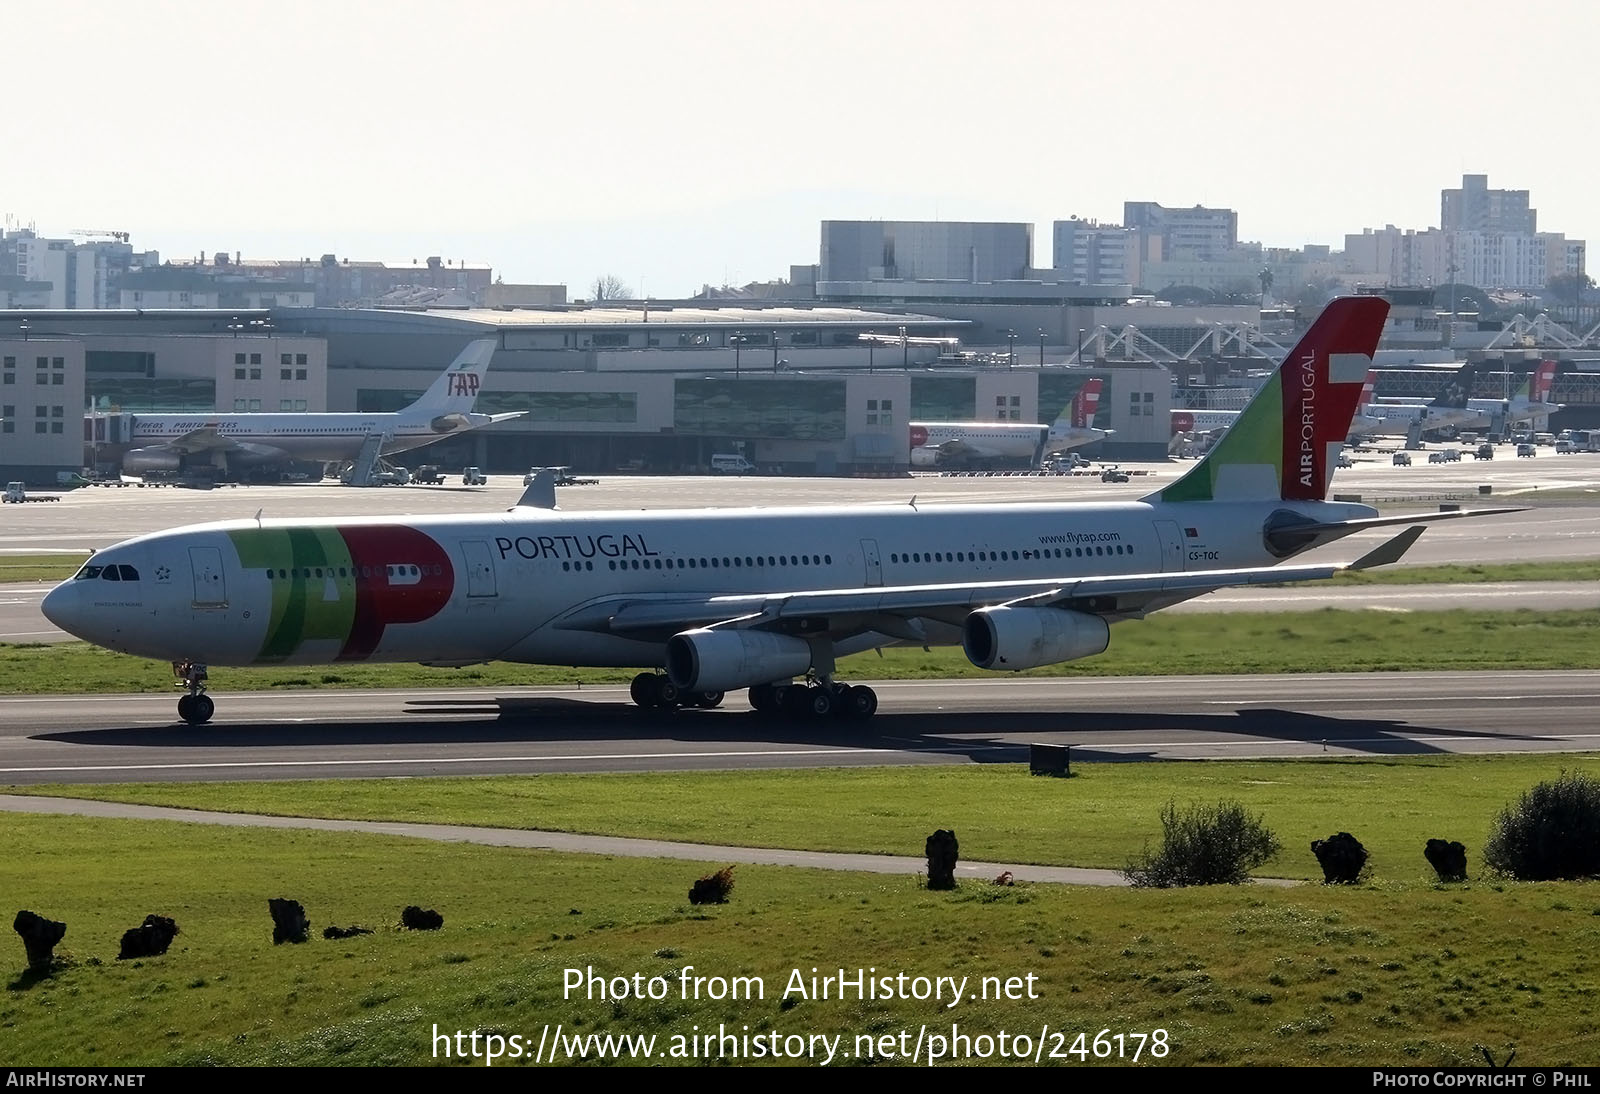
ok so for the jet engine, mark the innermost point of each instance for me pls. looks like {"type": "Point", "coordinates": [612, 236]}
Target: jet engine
{"type": "Point", "coordinates": [722, 660]}
{"type": "Point", "coordinates": [139, 461]}
{"type": "Point", "coordinates": [1025, 638]}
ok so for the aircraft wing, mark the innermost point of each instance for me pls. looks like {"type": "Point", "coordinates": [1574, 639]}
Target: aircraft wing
{"type": "Point", "coordinates": [894, 610]}
{"type": "Point", "coordinates": [204, 439]}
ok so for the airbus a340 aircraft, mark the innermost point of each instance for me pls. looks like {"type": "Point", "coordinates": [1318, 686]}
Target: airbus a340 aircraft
{"type": "Point", "coordinates": [751, 598]}
{"type": "Point", "coordinates": [952, 444]}
{"type": "Point", "coordinates": [169, 442]}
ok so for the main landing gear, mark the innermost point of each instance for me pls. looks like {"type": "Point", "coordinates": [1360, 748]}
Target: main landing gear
{"type": "Point", "coordinates": [817, 699]}
{"type": "Point", "coordinates": [653, 691]}
{"type": "Point", "coordinates": [196, 707]}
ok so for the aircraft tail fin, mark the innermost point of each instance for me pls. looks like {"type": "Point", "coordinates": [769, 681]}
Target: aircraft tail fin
{"type": "Point", "coordinates": [1458, 390]}
{"type": "Point", "coordinates": [1285, 444]}
{"type": "Point", "coordinates": [457, 387]}
{"type": "Point", "coordinates": [1081, 411]}
{"type": "Point", "coordinates": [1540, 381]}
{"type": "Point", "coordinates": [1367, 389]}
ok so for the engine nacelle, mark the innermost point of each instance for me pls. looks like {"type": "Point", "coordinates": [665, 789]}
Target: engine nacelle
{"type": "Point", "coordinates": [722, 660]}
{"type": "Point", "coordinates": [139, 461]}
{"type": "Point", "coordinates": [924, 457]}
{"type": "Point", "coordinates": [1025, 638]}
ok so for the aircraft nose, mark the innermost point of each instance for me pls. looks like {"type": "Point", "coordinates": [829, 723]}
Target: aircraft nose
{"type": "Point", "coordinates": [62, 606]}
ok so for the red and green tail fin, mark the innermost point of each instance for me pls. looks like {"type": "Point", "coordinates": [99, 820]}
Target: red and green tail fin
{"type": "Point", "coordinates": [1286, 442]}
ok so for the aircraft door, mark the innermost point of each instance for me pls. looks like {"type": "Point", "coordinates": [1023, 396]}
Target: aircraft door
{"type": "Point", "coordinates": [1171, 545]}
{"type": "Point", "coordinates": [869, 554]}
{"type": "Point", "coordinates": [480, 568]}
{"type": "Point", "coordinates": [210, 589]}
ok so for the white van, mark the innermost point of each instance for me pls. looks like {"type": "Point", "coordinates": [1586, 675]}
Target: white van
{"type": "Point", "coordinates": [731, 463]}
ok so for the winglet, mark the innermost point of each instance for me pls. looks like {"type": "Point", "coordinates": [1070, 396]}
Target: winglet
{"type": "Point", "coordinates": [541, 492]}
{"type": "Point", "coordinates": [1389, 552]}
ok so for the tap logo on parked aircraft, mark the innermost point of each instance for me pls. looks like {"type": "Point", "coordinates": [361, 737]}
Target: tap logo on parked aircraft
{"type": "Point", "coordinates": [462, 383]}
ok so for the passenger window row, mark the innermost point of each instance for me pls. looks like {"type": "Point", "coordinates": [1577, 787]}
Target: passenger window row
{"type": "Point", "coordinates": [726, 562]}
{"type": "Point", "coordinates": [1001, 556]}
{"type": "Point", "coordinates": [391, 570]}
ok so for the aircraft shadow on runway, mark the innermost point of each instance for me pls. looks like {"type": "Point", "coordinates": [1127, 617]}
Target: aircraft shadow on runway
{"type": "Point", "coordinates": [984, 737]}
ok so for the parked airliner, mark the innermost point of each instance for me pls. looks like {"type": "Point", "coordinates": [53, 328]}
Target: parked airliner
{"type": "Point", "coordinates": [712, 600]}
{"type": "Point", "coordinates": [172, 442]}
{"type": "Point", "coordinates": [957, 444]}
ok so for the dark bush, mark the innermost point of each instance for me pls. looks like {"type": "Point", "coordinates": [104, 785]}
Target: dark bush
{"type": "Point", "coordinates": [1553, 831]}
{"type": "Point", "coordinates": [1204, 845]}
{"type": "Point", "coordinates": [713, 888]}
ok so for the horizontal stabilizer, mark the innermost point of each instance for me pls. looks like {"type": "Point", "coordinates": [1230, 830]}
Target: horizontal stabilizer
{"type": "Point", "coordinates": [1390, 552]}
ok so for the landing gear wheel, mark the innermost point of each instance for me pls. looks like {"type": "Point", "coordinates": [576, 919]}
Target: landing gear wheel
{"type": "Point", "coordinates": [196, 709]}
{"type": "Point", "coordinates": [764, 698]}
{"type": "Point", "coordinates": [643, 690]}
{"type": "Point", "coordinates": [667, 693]}
{"type": "Point", "coordinates": [859, 703]}
{"type": "Point", "coordinates": [819, 702]}
{"type": "Point", "coordinates": [708, 700]}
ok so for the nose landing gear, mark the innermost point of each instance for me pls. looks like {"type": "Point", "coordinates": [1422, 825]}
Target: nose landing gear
{"type": "Point", "coordinates": [196, 707]}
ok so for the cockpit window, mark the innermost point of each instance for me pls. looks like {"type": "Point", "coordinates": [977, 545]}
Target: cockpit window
{"type": "Point", "coordinates": [88, 573]}
{"type": "Point", "coordinates": [128, 572]}
{"type": "Point", "coordinates": [110, 574]}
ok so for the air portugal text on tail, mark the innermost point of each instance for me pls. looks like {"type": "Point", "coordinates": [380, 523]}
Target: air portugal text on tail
{"type": "Point", "coordinates": [1286, 443]}
{"type": "Point", "coordinates": [768, 599]}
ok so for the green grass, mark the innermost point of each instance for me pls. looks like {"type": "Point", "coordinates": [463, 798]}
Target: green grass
{"type": "Point", "coordinates": [1264, 642]}
{"type": "Point", "coordinates": [52, 567]}
{"type": "Point", "coordinates": [1101, 817]}
{"type": "Point", "coordinates": [1384, 974]}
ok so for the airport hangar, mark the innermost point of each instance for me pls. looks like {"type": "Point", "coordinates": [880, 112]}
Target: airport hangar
{"type": "Point", "coordinates": [645, 387]}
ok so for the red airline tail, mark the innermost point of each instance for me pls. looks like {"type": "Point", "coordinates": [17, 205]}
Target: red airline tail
{"type": "Point", "coordinates": [1543, 380]}
{"type": "Point", "coordinates": [1366, 390]}
{"type": "Point", "coordinates": [1085, 403]}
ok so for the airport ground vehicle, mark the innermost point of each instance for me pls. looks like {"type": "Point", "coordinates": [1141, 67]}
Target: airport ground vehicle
{"type": "Point", "coordinates": [1484, 452]}
{"type": "Point", "coordinates": [1564, 447]}
{"type": "Point", "coordinates": [730, 463]}
{"type": "Point", "coordinates": [18, 493]}
{"type": "Point", "coordinates": [1402, 459]}
{"type": "Point", "coordinates": [429, 474]}
{"type": "Point", "coordinates": [1114, 474]}
{"type": "Point", "coordinates": [1527, 450]}
{"type": "Point", "coordinates": [472, 476]}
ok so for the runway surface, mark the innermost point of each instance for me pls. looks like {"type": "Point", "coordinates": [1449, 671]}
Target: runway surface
{"type": "Point", "coordinates": [396, 733]}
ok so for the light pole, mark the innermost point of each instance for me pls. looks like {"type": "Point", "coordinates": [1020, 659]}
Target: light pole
{"type": "Point", "coordinates": [774, 353]}
{"type": "Point", "coordinates": [738, 343]}
{"type": "Point", "coordinates": [1080, 345]}
{"type": "Point", "coordinates": [871, 345]}
{"type": "Point", "coordinates": [905, 350]}
{"type": "Point", "coordinates": [1011, 354]}
{"type": "Point", "coordinates": [1041, 347]}
{"type": "Point", "coordinates": [24, 328]}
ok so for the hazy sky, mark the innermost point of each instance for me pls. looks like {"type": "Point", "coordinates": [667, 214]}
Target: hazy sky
{"type": "Point", "coordinates": [677, 143]}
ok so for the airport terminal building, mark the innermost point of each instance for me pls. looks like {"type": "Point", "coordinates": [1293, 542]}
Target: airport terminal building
{"type": "Point", "coordinates": [644, 387]}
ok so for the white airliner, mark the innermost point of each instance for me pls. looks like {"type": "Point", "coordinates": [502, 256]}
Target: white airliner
{"type": "Point", "coordinates": [1453, 408]}
{"type": "Point", "coordinates": [751, 598]}
{"type": "Point", "coordinates": [171, 442]}
{"type": "Point", "coordinates": [952, 444]}
{"type": "Point", "coordinates": [1210, 421]}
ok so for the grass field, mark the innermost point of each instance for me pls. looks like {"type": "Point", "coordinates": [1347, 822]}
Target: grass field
{"type": "Point", "coordinates": [1264, 642]}
{"type": "Point", "coordinates": [1377, 974]}
{"type": "Point", "coordinates": [1101, 817]}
